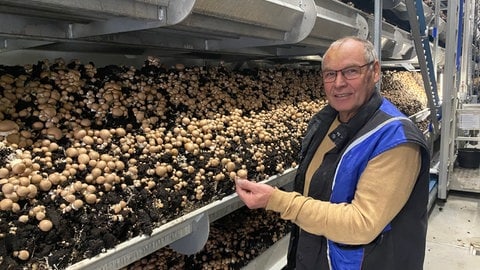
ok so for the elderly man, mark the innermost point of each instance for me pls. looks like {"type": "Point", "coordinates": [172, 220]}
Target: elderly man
{"type": "Point", "coordinates": [361, 188]}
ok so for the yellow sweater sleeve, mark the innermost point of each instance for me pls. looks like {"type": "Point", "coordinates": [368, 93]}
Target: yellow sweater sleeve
{"type": "Point", "coordinates": [382, 191]}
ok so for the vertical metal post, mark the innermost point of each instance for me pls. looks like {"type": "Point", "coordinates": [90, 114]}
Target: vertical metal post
{"type": "Point", "coordinates": [465, 60]}
{"type": "Point", "coordinates": [467, 47]}
{"type": "Point", "coordinates": [377, 34]}
{"type": "Point", "coordinates": [447, 134]}
{"type": "Point", "coordinates": [435, 37]}
{"type": "Point", "coordinates": [377, 39]}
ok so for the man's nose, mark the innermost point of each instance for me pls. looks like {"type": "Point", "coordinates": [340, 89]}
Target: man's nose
{"type": "Point", "coordinates": [339, 79]}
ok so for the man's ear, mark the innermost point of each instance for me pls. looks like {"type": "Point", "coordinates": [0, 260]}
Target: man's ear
{"type": "Point", "coordinates": [376, 71]}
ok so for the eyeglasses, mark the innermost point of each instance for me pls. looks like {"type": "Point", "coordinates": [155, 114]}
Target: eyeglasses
{"type": "Point", "coordinates": [349, 73]}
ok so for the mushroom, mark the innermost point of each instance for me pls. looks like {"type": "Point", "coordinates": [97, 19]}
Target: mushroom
{"type": "Point", "coordinates": [8, 127]}
{"type": "Point", "coordinates": [45, 225]}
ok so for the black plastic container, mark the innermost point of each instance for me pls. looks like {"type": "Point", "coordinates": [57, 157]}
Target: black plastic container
{"type": "Point", "coordinates": [469, 158]}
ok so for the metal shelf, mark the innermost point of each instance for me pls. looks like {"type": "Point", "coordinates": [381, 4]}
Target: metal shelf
{"type": "Point", "coordinates": [420, 116]}
{"type": "Point", "coordinates": [205, 29]}
{"type": "Point", "coordinates": [184, 234]}
{"type": "Point", "coordinates": [475, 139]}
{"type": "Point", "coordinates": [274, 258]}
{"type": "Point", "coordinates": [467, 180]}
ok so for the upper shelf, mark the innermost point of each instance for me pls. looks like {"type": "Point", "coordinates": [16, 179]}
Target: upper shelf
{"type": "Point", "coordinates": [205, 29]}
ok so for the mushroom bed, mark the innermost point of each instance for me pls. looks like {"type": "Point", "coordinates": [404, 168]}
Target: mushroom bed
{"type": "Point", "coordinates": [91, 157]}
{"type": "Point", "coordinates": [233, 242]}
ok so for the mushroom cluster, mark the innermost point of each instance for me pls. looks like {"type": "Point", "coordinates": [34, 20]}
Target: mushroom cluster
{"type": "Point", "coordinates": [90, 157]}
{"type": "Point", "coordinates": [405, 89]}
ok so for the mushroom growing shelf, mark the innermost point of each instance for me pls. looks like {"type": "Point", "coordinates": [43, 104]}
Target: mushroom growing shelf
{"type": "Point", "coordinates": [273, 30]}
{"type": "Point", "coordinates": [202, 29]}
{"type": "Point", "coordinates": [186, 234]}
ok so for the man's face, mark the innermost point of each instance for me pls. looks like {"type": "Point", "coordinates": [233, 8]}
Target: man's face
{"type": "Point", "coordinates": [348, 95]}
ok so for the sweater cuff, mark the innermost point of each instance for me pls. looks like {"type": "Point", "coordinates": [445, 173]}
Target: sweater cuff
{"type": "Point", "coordinates": [280, 200]}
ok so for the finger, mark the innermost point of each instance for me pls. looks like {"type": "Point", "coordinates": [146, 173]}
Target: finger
{"type": "Point", "coordinates": [240, 182]}
{"type": "Point", "coordinates": [240, 179]}
{"type": "Point", "coordinates": [239, 187]}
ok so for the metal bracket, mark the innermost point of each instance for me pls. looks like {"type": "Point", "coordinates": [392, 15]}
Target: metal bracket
{"type": "Point", "coordinates": [194, 242]}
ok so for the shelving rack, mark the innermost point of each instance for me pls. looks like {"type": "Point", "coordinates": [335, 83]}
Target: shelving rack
{"type": "Point", "coordinates": [268, 30]}
{"type": "Point", "coordinates": [462, 49]}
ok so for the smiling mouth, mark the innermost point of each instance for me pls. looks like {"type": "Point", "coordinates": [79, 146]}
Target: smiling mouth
{"type": "Point", "coordinates": [342, 95]}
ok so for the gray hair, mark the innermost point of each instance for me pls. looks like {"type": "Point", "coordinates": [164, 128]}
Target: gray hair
{"type": "Point", "coordinates": [370, 54]}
